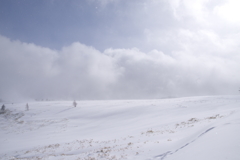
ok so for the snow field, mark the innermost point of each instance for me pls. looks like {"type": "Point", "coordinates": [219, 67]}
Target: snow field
{"type": "Point", "coordinates": [170, 129]}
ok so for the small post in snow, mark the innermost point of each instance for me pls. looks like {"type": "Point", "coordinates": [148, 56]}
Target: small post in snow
{"type": "Point", "coordinates": [74, 103]}
{"type": "Point", "coordinates": [27, 107]}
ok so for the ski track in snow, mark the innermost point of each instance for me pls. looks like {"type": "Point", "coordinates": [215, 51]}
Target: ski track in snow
{"type": "Point", "coordinates": [164, 155]}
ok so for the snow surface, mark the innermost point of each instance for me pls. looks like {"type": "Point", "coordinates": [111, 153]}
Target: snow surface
{"type": "Point", "coordinates": [171, 129]}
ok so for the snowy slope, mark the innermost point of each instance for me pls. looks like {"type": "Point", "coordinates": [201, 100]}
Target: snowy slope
{"type": "Point", "coordinates": [171, 129]}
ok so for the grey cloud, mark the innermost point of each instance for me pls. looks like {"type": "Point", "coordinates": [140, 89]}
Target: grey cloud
{"type": "Point", "coordinates": [147, 25]}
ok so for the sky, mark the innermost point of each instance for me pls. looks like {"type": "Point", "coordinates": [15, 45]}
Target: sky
{"type": "Point", "coordinates": [118, 49]}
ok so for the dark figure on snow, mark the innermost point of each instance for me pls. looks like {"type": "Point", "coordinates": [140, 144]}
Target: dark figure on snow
{"type": "Point", "coordinates": [3, 108]}
{"type": "Point", "coordinates": [27, 107]}
{"type": "Point", "coordinates": [74, 103]}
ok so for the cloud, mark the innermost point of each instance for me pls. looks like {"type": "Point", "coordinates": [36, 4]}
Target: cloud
{"type": "Point", "coordinates": [78, 71]}
{"type": "Point", "coordinates": [103, 3]}
{"type": "Point", "coordinates": [229, 11]}
{"type": "Point", "coordinates": [145, 49]}
{"type": "Point", "coordinates": [146, 25]}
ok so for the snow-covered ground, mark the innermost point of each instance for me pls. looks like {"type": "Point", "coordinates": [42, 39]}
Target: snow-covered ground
{"type": "Point", "coordinates": [199, 128]}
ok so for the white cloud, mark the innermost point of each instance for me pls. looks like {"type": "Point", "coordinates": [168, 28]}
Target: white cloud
{"type": "Point", "coordinates": [196, 9]}
{"type": "Point", "coordinates": [229, 11]}
{"type": "Point", "coordinates": [82, 72]}
{"type": "Point", "coordinates": [40, 72]}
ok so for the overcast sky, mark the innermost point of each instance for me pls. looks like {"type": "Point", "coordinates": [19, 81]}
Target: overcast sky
{"type": "Point", "coordinates": [118, 49]}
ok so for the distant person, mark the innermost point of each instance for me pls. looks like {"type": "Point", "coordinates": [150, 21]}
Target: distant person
{"type": "Point", "coordinates": [74, 103]}
{"type": "Point", "coordinates": [3, 108]}
{"type": "Point", "coordinates": [27, 107]}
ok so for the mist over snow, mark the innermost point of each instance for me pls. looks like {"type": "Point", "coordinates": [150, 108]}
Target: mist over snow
{"type": "Point", "coordinates": [83, 72]}
{"type": "Point", "coordinates": [113, 49]}
{"type": "Point", "coordinates": [120, 79]}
